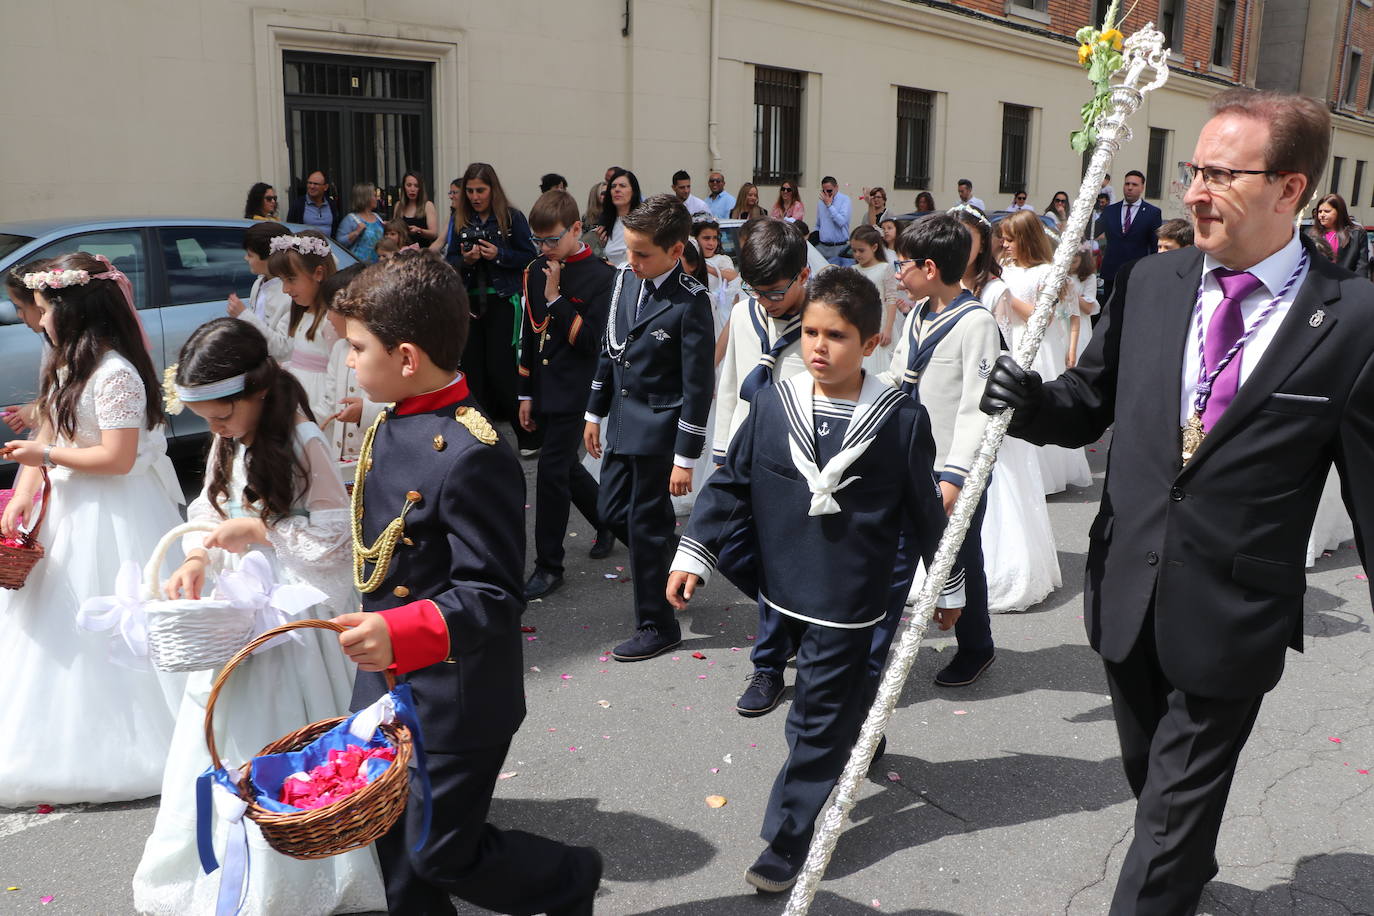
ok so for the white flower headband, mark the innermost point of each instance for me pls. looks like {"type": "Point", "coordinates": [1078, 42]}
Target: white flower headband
{"type": "Point", "coordinates": [175, 395]}
{"type": "Point", "coordinates": [302, 244]}
{"type": "Point", "coordinates": [57, 279]}
{"type": "Point", "coordinates": [972, 211]}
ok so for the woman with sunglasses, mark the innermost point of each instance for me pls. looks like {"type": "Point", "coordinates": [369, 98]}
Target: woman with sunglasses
{"type": "Point", "coordinates": [1058, 210]}
{"type": "Point", "coordinates": [789, 205]}
{"type": "Point", "coordinates": [261, 203]}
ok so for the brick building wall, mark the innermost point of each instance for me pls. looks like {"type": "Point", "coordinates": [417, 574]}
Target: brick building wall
{"type": "Point", "coordinates": [1361, 39]}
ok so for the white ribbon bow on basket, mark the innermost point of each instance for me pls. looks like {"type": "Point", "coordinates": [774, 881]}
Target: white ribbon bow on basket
{"type": "Point", "coordinates": [253, 586]}
{"type": "Point", "coordinates": [122, 612]}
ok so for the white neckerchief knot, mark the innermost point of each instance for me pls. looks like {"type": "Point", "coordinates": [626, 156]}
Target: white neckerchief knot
{"type": "Point", "coordinates": [824, 484]}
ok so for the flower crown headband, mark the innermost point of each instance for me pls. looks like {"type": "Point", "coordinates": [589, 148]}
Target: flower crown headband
{"type": "Point", "coordinates": [972, 211]}
{"type": "Point", "coordinates": [61, 279]}
{"type": "Point", "coordinates": [301, 244]}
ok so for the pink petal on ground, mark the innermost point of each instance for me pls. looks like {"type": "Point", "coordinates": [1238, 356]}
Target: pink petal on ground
{"type": "Point", "coordinates": [701, 677]}
{"type": "Point", "coordinates": [603, 658]}
{"type": "Point", "coordinates": [45, 900]}
{"type": "Point", "coordinates": [748, 637]}
{"type": "Point", "coordinates": [715, 769]}
{"type": "Point", "coordinates": [566, 677]}
{"type": "Point", "coordinates": [44, 809]}
{"type": "Point", "coordinates": [1363, 772]}
{"type": "Point", "coordinates": [531, 638]}
{"type": "Point", "coordinates": [571, 748]}
{"type": "Point", "coordinates": [697, 655]}
{"type": "Point", "coordinates": [894, 777]}
{"type": "Point", "coordinates": [528, 629]}
{"type": "Point", "coordinates": [1362, 577]}
{"type": "Point", "coordinates": [734, 648]}
{"type": "Point", "coordinates": [1334, 740]}
{"type": "Point", "coordinates": [961, 712]}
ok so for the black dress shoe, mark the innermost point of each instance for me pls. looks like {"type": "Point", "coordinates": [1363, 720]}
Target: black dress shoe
{"type": "Point", "coordinates": [645, 644]}
{"type": "Point", "coordinates": [589, 872]}
{"type": "Point", "coordinates": [774, 872]}
{"type": "Point", "coordinates": [761, 696]}
{"type": "Point", "coordinates": [965, 668]}
{"type": "Point", "coordinates": [601, 547]}
{"type": "Point", "coordinates": [542, 583]}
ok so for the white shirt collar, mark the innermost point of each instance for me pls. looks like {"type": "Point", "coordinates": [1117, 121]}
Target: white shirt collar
{"type": "Point", "coordinates": [1273, 271]}
{"type": "Point", "coordinates": [658, 281]}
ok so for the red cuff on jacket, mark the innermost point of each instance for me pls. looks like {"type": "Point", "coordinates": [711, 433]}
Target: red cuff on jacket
{"type": "Point", "coordinates": [419, 636]}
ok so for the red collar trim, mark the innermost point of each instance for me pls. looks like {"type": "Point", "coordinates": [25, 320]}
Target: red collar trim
{"type": "Point", "coordinates": [580, 255]}
{"type": "Point", "coordinates": [452, 393]}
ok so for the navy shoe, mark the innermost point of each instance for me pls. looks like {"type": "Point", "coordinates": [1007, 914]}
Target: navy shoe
{"type": "Point", "coordinates": [542, 583]}
{"type": "Point", "coordinates": [601, 547]}
{"type": "Point", "coordinates": [774, 872]}
{"type": "Point", "coordinates": [761, 696]}
{"type": "Point", "coordinates": [590, 866]}
{"type": "Point", "coordinates": [965, 668]}
{"type": "Point", "coordinates": [644, 645]}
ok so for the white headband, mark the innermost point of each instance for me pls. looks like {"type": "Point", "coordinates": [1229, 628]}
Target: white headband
{"type": "Point", "coordinates": [212, 391]}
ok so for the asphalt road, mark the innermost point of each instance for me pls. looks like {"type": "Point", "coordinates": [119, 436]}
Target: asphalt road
{"type": "Point", "coordinates": [1003, 798]}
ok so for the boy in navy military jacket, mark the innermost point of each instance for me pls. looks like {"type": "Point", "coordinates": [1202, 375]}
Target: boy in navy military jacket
{"type": "Point", "coordinates": [567, 295]}
{"type": "Point", "coordinates": [829, 469]}
{"type": "Point", "coordinates": [439, 553]}
{"type": "Point", "coordinates": [652, 390]}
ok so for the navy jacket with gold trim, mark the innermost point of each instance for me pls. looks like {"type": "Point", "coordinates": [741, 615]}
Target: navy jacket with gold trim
{"type": "Point", "coordinates": [557, 366]}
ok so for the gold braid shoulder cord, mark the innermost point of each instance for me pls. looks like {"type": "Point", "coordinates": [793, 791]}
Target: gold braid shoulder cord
{"type": "Point", "coordinates": [1144, 52]}
{"type": "Point", "coordinates": [382, 549]}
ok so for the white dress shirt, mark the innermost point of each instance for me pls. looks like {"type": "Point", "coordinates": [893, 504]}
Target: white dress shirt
{"type": "Point", "coordinates": [1133, 209]}
{"type": "Point", "coordinates": [1273, 272]}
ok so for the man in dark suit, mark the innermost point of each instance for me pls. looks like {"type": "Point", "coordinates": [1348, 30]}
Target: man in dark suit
{"type": "Point", "coordinates": [1195, 570]}
{"type": "Point", "coordinates": [1128, 229]}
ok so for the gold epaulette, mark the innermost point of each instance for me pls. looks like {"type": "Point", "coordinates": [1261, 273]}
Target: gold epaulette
{"type": "Point", "coordinates": [476, 424]}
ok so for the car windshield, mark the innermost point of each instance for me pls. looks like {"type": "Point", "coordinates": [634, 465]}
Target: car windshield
{"type": "Point", "coordinates": [10, 243]}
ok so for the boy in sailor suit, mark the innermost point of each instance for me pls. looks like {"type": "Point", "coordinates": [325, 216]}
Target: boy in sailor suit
{"type": "Point", "coordinates": [763, 347]}
{"type": "Point", "coordinates": [830, 469]}
{"type": "Point", "coordinates": [652, 390]}
{"type": "Point", "coordinates": [942, 361]}
{"type": "Point", "coordinates": [439, 545]}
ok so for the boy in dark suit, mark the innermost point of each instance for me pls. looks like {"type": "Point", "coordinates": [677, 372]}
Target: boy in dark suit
{"type": "Point", "coordinates": [653, 390]}
{"type": "Point", "coordinates": [567, 296]}
{"type": "Point", "coordinates": [438, 555]}
{"type": "Point", "coordinates": [829, 469]}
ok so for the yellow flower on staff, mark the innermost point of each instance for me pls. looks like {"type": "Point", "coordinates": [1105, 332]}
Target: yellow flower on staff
{"type": "Point", "coordinates": [1114, 38]}
{"type": "Point", "coordinates": [1084, 52]}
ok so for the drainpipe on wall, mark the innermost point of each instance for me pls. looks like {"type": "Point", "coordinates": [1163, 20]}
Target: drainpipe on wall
{"type": "Point", "coordinates": [712, 114]}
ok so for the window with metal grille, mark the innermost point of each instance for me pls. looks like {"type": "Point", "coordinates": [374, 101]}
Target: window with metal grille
{"type": "Point", "coordinates": [359, 119]}
{"type": "Point", "coordinates": [1222, 27]}
{"type": "Point", "coordinates": [777, 125]}
{"type": "Point", "coordinates": [915, 110]}
{"type": "Point", "coordinates": [1155, 161]}
{"type": "Point", "coordinates": [1016, 125]}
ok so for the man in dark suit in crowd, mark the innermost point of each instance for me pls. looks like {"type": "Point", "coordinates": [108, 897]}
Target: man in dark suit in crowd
{"type": "Point", "coordinates": [1128, 229]}
{"type": "Point", "coordinates": [1235, 373]}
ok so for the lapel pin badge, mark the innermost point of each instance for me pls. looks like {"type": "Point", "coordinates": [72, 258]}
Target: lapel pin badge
{"type": "Point", "coordinates": [1317, 318]}
{"type": "Point", "coordinates": [660, 335]}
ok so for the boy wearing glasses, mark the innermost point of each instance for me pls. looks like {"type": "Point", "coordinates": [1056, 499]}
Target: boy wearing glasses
{"type": "Point", "coordinates": [567, 293]}
{"type": "Point", "coordinates": [652, 393]}
{"type": "Point", "coordinates": [763, 347]}
{"type": "Point", "coordinates": [942, 361]}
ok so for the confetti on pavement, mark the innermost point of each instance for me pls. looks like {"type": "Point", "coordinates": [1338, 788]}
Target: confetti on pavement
{"type": "Point", "coordinates": [715, 801]}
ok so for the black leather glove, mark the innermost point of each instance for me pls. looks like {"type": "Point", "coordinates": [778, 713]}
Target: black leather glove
{"type": "Point", "coordinates": [1010, 386]}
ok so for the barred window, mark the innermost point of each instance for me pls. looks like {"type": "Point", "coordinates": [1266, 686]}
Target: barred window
{"type": "Point", "coordinates": [777, 125]}
{"type": "Point", "coordinates": [915, 109]}
{"type": "Point", "coordinates": [1016, 124]}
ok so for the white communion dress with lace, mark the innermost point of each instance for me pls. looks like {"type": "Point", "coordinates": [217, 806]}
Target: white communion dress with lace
{"type": "Point", "coordinates": [287, 684]}
{"type": "Point", "coordinates": [74, 725]}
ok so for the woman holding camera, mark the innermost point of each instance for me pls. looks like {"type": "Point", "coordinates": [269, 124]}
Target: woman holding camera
{"type": "Point", "coordinates": [488, 242]}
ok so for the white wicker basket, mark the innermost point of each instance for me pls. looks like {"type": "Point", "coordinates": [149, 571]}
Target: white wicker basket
{"type": "Point", "coordinates": [190, 634]}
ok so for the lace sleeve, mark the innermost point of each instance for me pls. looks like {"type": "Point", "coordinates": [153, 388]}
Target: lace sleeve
{"type": "Point", "coordinates": [323, 534]}
{"type": "Point", "coordinates": [200, 510]}
{"type": "Point", "coordinates": [119, 399]}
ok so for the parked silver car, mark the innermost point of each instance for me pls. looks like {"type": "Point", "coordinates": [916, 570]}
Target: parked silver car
{"type": "Point", "coordinates": [182, 271]}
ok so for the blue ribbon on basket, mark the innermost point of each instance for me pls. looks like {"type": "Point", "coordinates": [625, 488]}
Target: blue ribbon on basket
{"type": "Point", "coordinates": [268, 773]}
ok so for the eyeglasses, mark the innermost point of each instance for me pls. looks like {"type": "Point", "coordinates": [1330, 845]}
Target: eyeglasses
{"type": "Point", "coordinates": [772, 295]}
{"type": "Point", "coordinates": [1216, 178]}
{"type": "Point", "coordinates": [547, 241]}
{"type": "Point", "coordinates": [901, 264]}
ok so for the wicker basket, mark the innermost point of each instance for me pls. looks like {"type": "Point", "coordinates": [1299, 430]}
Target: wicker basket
{"type": "Point", "coordinates": [186, 634]}
{"type": "Point", "coordinates": [350, 823]}
{"type": "Point", "coordinates": [17, 562]}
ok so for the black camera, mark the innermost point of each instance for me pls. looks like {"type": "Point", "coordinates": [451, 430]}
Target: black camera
{"type": "Point", "coordinates": [469, 236]}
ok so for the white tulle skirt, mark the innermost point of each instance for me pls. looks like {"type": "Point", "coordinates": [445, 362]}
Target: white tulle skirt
{"type": "Point", "coordinates": [75, 726]}
{"type": "Point", "coordinates": [1333, 526]}
{"type": "Point", "coordinates": [1019, 552]}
